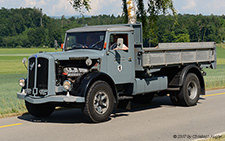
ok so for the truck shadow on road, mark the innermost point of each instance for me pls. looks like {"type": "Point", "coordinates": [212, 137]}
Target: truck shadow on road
{"type": "Point", "coordinates": [75, 115]}
{"type": "Point", "coordinates": [157, 102]}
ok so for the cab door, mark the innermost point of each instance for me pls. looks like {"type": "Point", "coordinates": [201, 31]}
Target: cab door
{"type": "Point", "coordinates": [120, 63]}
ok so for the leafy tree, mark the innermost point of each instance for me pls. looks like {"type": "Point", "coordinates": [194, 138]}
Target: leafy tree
{"type": "Point", "coordinates": [182, 38]}
{"type": "Point", "coordinates": [125, 13]}
{"type": "Point", "coordinates": [155, 7]}
{"type": "Point", "coordinates": [32, 28]}
{"type": "Point", "coordinates": [79, 4]}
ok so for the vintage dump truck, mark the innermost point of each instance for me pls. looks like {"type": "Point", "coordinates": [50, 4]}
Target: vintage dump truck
{"type": "Point", "coordinates": [105, 66]}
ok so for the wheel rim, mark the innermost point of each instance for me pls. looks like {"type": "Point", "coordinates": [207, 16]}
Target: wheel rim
{"type": "Point", "coordinates": [101, 102]}
{"type": "Point", "coordinates": [192, 90]}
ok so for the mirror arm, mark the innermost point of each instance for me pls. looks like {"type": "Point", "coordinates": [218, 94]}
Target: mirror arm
{"type": "Point", "coordinates": [25, 66]}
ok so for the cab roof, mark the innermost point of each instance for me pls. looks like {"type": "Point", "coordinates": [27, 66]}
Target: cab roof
{"type": "Point", "coordinates": [115, 28]}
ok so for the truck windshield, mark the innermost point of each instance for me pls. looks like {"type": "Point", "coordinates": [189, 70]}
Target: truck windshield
{"type": "Point", "coordinates": [85, 40]}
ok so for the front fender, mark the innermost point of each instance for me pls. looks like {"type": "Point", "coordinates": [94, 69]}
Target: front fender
{"type": "Point", "coordinates": [82, 87]}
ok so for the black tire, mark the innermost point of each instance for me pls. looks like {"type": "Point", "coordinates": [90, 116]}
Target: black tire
{"type": "Point", "coordinates": [40, 110]}
{"type": "Point", "coordinates": [99, 102]}
{"type": "Point", "coordinates": [143, 99]}
{"type": "Point", "coordinates": [174, 98]}
{"type": "Point", "coordinates": [190, 91]}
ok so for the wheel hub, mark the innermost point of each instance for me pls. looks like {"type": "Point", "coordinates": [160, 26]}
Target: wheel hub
{"type": "Point", "coordinates": [101, 102]}
{"type": "Point", "coordinates": [192, 90]}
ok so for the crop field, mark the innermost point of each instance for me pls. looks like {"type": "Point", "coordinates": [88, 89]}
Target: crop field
{"type": "Point", "coordinates": [11, 59]}
{"type": "Point", "coordinates": [216, 78]}
{"type": "Point", "coordinates": [9, 103]}
{"type": "Point", "coordinates": [11, 69]}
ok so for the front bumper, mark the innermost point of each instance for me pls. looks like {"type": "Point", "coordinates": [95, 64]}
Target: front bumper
{"type": "Point", "coordinates": [52, 98]}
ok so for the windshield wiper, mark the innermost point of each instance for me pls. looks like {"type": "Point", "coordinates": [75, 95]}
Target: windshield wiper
{"type": "Point", "coordinates": [93, 46]}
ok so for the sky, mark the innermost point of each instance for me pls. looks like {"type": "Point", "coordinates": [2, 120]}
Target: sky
{"type": "Point", "coordinates": [109, 7]}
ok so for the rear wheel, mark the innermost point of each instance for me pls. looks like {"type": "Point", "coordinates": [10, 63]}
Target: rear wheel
{"type": "Point", "coordinates": [40, 110]}
{"type": "Point", "coordinates": [99, 102]}
{"type": "Point", "coordinates": [190, 91]}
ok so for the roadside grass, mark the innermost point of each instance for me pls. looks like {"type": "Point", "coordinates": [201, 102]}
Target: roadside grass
{"type": "Point", "coordinates": [11, 69]}
{"type": "Point", "coordinates": [12, 66]}
{"type": "Point", "coordinates": [220, 61]}
{"type": "Point", "coordinates": [215, 79]}
{"type": "Point", "coordinates": [216, 138]}
{"type": "Point", "coordinates": [220, 51]}
{"type": "Point", "coordinates": [220, 138]}
{"type": "Point", "coordinates": [9, 103]}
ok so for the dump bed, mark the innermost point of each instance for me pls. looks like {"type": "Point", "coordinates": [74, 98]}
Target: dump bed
{"type": "Point", "coordinates": [203, 53]}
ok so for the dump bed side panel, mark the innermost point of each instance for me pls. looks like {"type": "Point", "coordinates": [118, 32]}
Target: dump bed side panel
{"type": "Point", "coordinates": [180, 53]}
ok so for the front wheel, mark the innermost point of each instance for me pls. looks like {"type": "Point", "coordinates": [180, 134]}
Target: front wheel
{"type": "Point", "coordinates": [99, 102]}
{"type": "Point", "coordinates": [40, 110]}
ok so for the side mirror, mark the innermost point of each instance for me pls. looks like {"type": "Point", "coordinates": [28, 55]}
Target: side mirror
{"type": "Point", "coordinates": [120, 43]}
{"type": "Point", "coordinates": [24, 61]}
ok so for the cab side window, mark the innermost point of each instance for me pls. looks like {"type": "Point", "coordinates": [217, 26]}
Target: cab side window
{"type": "Point", "coordinates": [113, 44]}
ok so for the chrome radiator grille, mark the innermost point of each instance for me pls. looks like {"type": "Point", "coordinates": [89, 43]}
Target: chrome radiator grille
{"type": "Point", "coordinates": [38, 76]}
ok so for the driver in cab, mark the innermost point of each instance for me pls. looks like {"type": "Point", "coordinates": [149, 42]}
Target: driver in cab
{"type": "Point", "coordinates": [116, 43]}
{"type": "Point", "coordinates": [89, 42]}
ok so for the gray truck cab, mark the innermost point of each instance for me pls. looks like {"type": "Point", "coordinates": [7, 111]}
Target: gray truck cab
{"type": "Point", "coordinates": [117, 63]}
{"type": "Point", "coordinates": [107, 65]}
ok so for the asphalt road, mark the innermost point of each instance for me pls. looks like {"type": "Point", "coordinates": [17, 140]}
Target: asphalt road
{"type": "Point", "coordinates": [159, 120]}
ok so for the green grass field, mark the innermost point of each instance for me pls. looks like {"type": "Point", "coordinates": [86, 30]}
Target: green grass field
{"type": "Point", "coordinates": [9, 103]}
{"type": "Point", "coordinates": [11, 59]}
{"type": "Point", "coordinates": [216, 78]}
{"type": "Point", "coordinates": [25, 50]}
{"type": "Point", "coordinates": [11, 69]}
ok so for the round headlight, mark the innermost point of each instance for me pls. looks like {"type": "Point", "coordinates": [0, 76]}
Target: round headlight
{"type": "Point", "coordinates": [67, 85]}
{"type": "Point", "coordinates": [22, 82]}
{"type": "Point", "coordinates": [88, 62]}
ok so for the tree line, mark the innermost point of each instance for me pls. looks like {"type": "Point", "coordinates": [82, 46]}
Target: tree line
{"type": "Point", "coordinates": [29, 27]}
{"type": "Point", "coordinates": [190, 28]}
